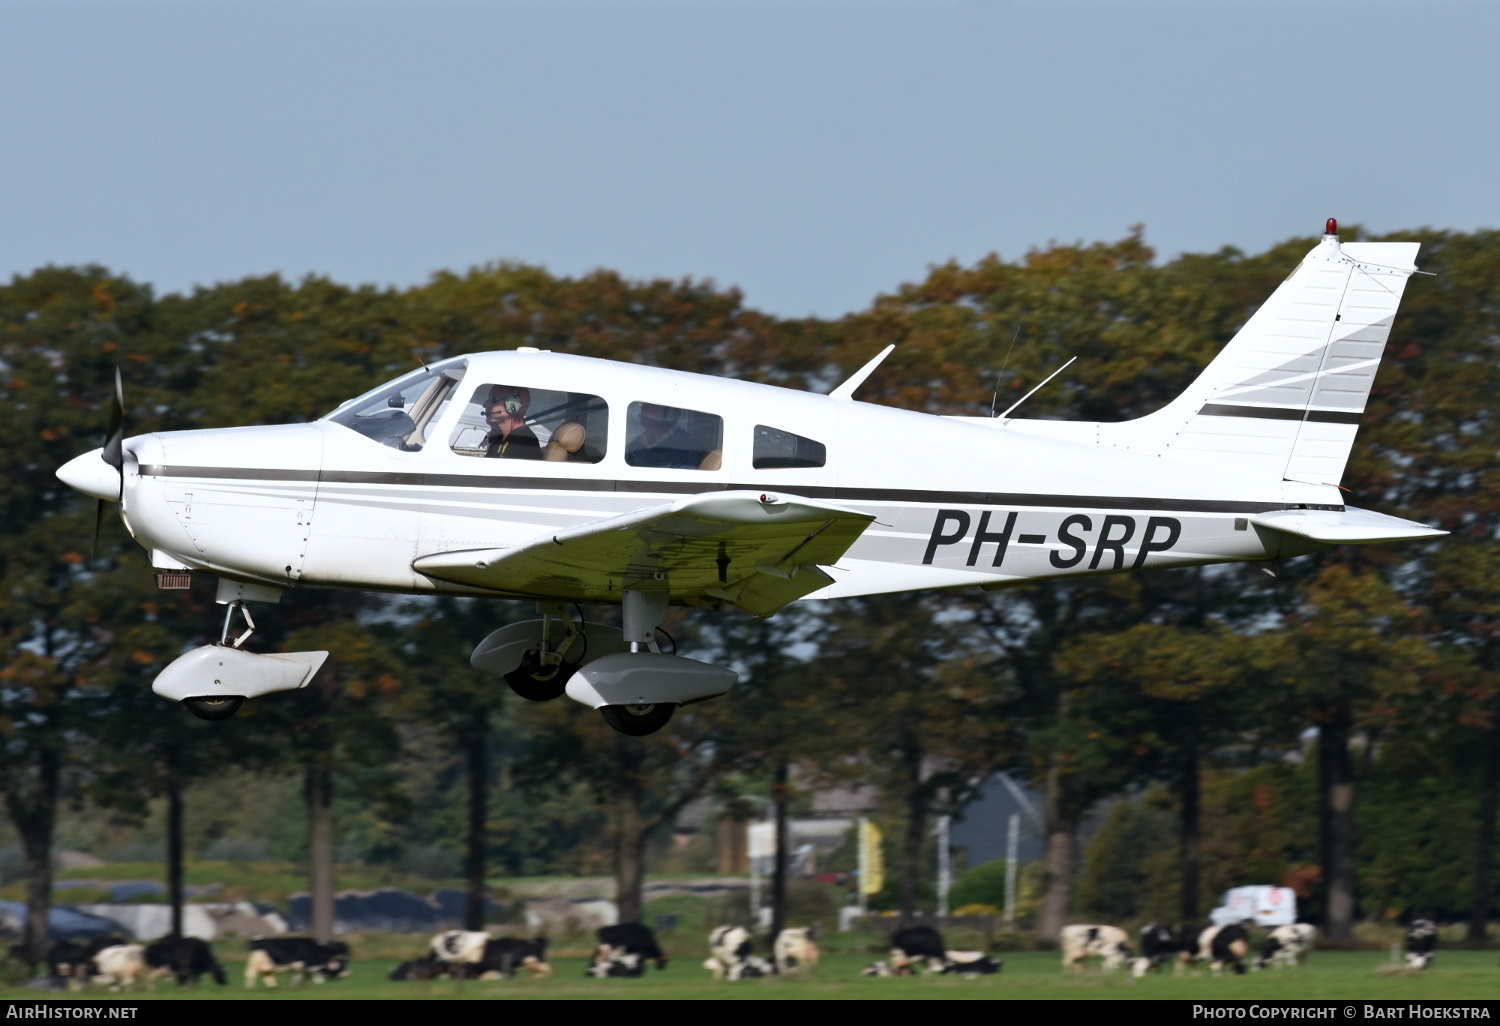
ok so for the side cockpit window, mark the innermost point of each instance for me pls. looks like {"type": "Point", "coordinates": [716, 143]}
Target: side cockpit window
{"type": "Point", "coordinates": [517, 422]}
{"type": "Point", "coordinates": [781, 450]}
{"type": "Point", "coordinates": [673, 438]}
{"type": "Point", "coordinates": [399, 414]}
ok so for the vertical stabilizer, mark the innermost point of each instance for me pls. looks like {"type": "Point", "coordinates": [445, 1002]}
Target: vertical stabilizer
{"type": "Point", "coordinates": [1283, 400]}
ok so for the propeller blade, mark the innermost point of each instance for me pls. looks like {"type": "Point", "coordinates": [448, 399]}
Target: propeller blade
{"type": "Point", "coordinates": [114, 438]}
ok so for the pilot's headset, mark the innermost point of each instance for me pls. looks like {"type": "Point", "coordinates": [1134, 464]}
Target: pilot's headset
{"type": "Point", "coordinates": [515, 399]}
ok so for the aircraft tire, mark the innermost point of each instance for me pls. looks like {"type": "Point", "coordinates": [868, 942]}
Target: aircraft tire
{"type": "Point", "coordinates": [649, 721]}
{"type": "Point", "coordinates": [529, 681]}
{"type": "Point", "coordinates": [214, 708]}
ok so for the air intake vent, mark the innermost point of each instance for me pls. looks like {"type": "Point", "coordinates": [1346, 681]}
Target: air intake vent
{"type": "Point", "coordinates": [174, 580]}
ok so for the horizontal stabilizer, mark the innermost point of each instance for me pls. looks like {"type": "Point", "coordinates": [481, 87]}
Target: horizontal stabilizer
{"type": "Point", "coordinates": [1347, 527]}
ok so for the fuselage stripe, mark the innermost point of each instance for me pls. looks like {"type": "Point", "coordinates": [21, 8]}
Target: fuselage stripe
{"type": "Point", "coordinates": [575, 484]}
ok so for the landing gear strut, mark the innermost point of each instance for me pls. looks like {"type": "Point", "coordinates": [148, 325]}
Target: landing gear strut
{"type": "Point", "coordinates": [544, 672]}
{"type": "Point", "coordinates": [213, 681]}
{"type": "Point", "coordinates": [642, 612]}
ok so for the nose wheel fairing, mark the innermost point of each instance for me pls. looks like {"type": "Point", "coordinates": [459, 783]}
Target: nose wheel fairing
{"type": "Point", "coordinates": [213, 681]}
{"type": "Point", "coordinates": [220, 671]}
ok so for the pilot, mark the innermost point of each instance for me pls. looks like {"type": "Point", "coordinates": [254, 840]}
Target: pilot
{"type": "Point", "coordinates": [505, 412]}
{"type": "Point", "coordinates": [661, 443]}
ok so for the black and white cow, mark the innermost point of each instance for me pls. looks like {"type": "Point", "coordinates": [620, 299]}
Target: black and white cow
{"type": "Point", "coordinates": [730, 958]}
{"type": "Point", "coordinates": [1220, 946]}
{"type": "Point", "coordinates": [796, 949]}
{"type": "Point", "coordinates": [913, 946]}
{"type": "Point", "coordinates": [627, 939]}
{"type": "Point", "coordinates": [186, 958]}
{"type": "Point", "coordinates": [1082, 941]}
{"type": "Point", "coordinates": [728, 952]}
{"type": "Point", "coordinates": [1158, 947]}
{"type": "Point", "coordinates": [1421, 943]}
{"type": "Point", "coordinates": [490, 958]}
{"type": "Point", "coordinates": [296, 956]}
{"type": "Point", "coordinates": [1287, 946]}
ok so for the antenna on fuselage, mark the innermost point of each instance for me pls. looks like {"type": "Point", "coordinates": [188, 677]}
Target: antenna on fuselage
{"type": "Point", "coordinates": [845, 392]}
{"type": "Point", "coordinates": [995, 399]}
{"type": "Point", "coordinates": [1038, 388]}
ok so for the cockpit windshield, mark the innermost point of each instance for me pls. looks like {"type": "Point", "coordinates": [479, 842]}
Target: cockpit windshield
{"type": "Point", "coordinates": [399, 412]}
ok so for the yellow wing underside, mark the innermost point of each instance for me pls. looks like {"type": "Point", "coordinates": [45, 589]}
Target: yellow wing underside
{"type": "Point", "coordinates": [753, 550]}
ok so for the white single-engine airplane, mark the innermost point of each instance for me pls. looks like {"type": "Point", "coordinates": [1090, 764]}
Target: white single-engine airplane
{"type": "Point", "coordinates": [564, 479]}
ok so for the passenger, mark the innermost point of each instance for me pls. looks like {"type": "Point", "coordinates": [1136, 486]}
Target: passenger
{"type": "Point", "coordinates": [661, 443]}
{"type": "Point", "coordinates": [505, 412]}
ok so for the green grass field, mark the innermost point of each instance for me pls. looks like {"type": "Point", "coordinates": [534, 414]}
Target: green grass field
{"type": "Point", "coordinates": [1339, 975]}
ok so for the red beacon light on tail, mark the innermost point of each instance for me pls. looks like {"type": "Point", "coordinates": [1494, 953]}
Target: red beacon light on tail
{"type": "Point", "coordinates": [1331, 226]}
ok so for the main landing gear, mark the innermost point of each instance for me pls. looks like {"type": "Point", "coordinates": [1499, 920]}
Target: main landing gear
{"type": "Point", "coordinates": [622, 673]}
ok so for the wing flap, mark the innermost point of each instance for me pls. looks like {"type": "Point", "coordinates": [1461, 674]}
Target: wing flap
{"type": "Point", "coordinates": [756, 550]}
{"type": "Point", "coordinates": [1349, 526]}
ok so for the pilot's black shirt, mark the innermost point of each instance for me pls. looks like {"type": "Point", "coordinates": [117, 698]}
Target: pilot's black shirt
{"type": "Point", "coordinates": [521, 445]}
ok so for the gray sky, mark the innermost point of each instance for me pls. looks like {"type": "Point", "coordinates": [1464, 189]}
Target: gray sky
{"type": "Point", "coordinates": [811, 153]}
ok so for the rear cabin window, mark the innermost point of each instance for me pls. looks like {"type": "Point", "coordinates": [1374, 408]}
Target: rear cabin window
{"type": "Point", "coordinates": [515, 422]}
{"type": "Point", "coordinates": [669, 437]}
{"type": "Point", "coordinates": [781, 450]}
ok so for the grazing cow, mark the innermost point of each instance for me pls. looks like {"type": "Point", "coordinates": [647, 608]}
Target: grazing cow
{"type": "Point", "coordinates": [1287, 946]}
{"type": "Point", "coordinates": [1220, 946]}
{"type": "Point", "coordinates": [629, 939]}
{"type": "Point", "coordinates": [878, 969]}
{"type": "Point", "coordinates": [1421, 943]}
{"type": "Point", "coordinates": [795, 949]}
{"type": "Point", "coordinates": [728, 950]}
{"type": "Point", "coordinates": [912, 946]}
{"type": "Point", "coordinates": [118, 967]}
{"type": "Point", "coordinates": [1158, 947]}
{"type": "Point", "coordinates": [296, 956]}
{"type": "Point", "coordinates": [186, 958]}
{"type": "Point", "coordinates": [970, 963]}
{"type": "Point", "coordinates": [504, 955]}
{"type": "Point", "coordinates": [1082, 941]}
{"type": "Point", "coordinates": [623, 964]}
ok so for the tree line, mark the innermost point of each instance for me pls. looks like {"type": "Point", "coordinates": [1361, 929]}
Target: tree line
{"type": "Point", "coordinates": [1173, 687]}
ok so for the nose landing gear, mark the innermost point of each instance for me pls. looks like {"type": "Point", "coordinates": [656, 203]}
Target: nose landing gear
{"type": "Point", "coordinates": [213, 681]}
